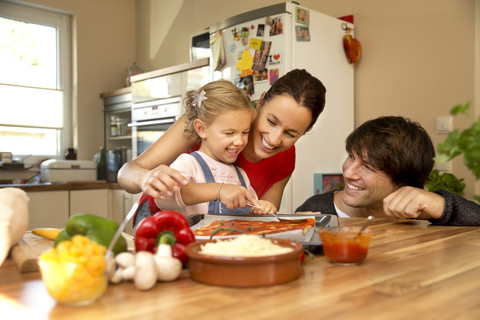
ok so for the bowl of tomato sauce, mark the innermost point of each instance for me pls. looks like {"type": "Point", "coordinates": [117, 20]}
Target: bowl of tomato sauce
{"type": "Point", "coordinates": [345, 246]}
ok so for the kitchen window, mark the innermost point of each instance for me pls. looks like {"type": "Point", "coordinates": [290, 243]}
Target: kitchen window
{"type": "Point", "coordinates": [35, 81]}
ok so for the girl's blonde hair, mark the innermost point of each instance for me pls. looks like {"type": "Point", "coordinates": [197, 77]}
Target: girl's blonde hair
{"type": "Point", "coordinates": [221, 96]}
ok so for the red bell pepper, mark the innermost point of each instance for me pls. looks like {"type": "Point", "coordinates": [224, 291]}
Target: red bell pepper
{"type": "Point", "coordinates": [152, 228]}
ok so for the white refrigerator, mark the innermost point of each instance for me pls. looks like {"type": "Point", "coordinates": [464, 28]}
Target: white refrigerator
{"type": "Point", "coordinates": [255, 48]}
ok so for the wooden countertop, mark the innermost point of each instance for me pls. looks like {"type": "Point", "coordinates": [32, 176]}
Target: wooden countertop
{"type": "Point", "coordinates": [413, 269]}
{"type": "Point", "coordinates": [78, 185]}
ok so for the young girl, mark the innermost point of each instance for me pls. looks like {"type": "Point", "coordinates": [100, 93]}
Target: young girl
{"type": "Point", "coordinates": [286, 112]}
{"type": "Point", "coordinates": [218, 117]}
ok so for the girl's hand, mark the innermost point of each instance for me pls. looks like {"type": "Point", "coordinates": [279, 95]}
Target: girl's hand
{"type": "Point", "coordinates": [234, 196]}
{"type": "Point", "coordinates": [162, 181]}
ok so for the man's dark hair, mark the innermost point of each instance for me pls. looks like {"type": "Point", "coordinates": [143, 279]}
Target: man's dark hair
{"type": "Point", "coordinates": [397, 146]}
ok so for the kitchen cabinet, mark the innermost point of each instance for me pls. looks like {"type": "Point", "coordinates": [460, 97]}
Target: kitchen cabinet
{"type": "Point", "coordinates": [52, 209]}
{"type": "Point", "coordinates": [121, 203]}
{"type": "Point", "coordinates": [90, 201]}
{"type": "Point", "coordinates": [170, 82]}
{"type": "Point", "coordinates": [117, 114]}
{"type": "Point", "coordinates": [48, 209]}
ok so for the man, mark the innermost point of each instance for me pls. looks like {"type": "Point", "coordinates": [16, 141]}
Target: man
{"type": "Point", "coordinates": [389, 159]}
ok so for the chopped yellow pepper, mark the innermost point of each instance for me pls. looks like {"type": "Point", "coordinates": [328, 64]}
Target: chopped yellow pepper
{"type": "Point", "coordinates": [74, 271]}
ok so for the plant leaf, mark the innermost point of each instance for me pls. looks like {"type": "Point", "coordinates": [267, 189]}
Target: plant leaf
{"type": "Point", "coordinates": [466, 142]}
{"type": "Point", "coordinates": [460, 108]}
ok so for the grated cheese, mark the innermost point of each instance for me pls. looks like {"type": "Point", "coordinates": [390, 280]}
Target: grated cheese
{"type": "Point", "coordinates": [243, 246]}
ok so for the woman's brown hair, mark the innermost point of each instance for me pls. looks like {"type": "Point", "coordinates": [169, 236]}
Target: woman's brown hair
{"type": "Point", "coordinates": [307, 91]}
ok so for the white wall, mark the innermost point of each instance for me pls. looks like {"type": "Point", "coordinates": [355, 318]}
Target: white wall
{"type": "Point", "coordinates": [418, 56]}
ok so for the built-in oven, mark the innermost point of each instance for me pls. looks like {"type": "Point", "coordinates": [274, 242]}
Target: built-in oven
{"type": "Point", "coordinates": [151, 119]}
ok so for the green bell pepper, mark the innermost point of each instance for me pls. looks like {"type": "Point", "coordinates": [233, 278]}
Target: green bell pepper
{"type": "Point", "coordinates": [96, 228]}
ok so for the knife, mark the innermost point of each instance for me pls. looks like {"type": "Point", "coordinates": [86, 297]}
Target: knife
{"type": "Point", "coordinates": [293, 220]}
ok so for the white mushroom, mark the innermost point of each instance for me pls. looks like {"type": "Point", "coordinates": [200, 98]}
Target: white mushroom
{"type": "Point", "coordinates": [116, 276]}
{"type": "Point", "coordinates": [128, 273]}
{"type": "Point", "coordinates": [168, 267]}
{"type": "Point", "coordinates": [145, 270]}
{"type": "Point", "coordinates": [125, 259]}
{"type": "Point", "coordinates": [122, 267]}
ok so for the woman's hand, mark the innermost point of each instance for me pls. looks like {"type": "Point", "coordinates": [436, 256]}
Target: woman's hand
{"type": "Point", "coordinates": [267, 207]}
{"type": "Point", "coordinates": [149, 173]}
{"type": "Point", "coordinates": [162, 182]}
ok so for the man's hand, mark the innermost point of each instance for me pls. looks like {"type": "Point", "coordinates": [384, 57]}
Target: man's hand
{"type": "Point", "coordinates": [409, 202]}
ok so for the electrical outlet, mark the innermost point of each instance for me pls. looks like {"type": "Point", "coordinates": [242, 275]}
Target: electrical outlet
{"type": "Point", "coordinates": [444, 124]}
{"type": "Point", "coordinates": [444, 167]}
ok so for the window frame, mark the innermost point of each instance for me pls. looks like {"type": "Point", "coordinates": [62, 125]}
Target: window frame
{"type": "Point", "coordinates": [62, 22]}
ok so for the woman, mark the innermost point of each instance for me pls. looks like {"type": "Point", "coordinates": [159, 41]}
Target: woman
{"type": "Point", "coordinates": [285, 113]}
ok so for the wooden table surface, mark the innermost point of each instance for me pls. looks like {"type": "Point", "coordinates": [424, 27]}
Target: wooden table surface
{"type": "Point", "coordinates": [413, 270]}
